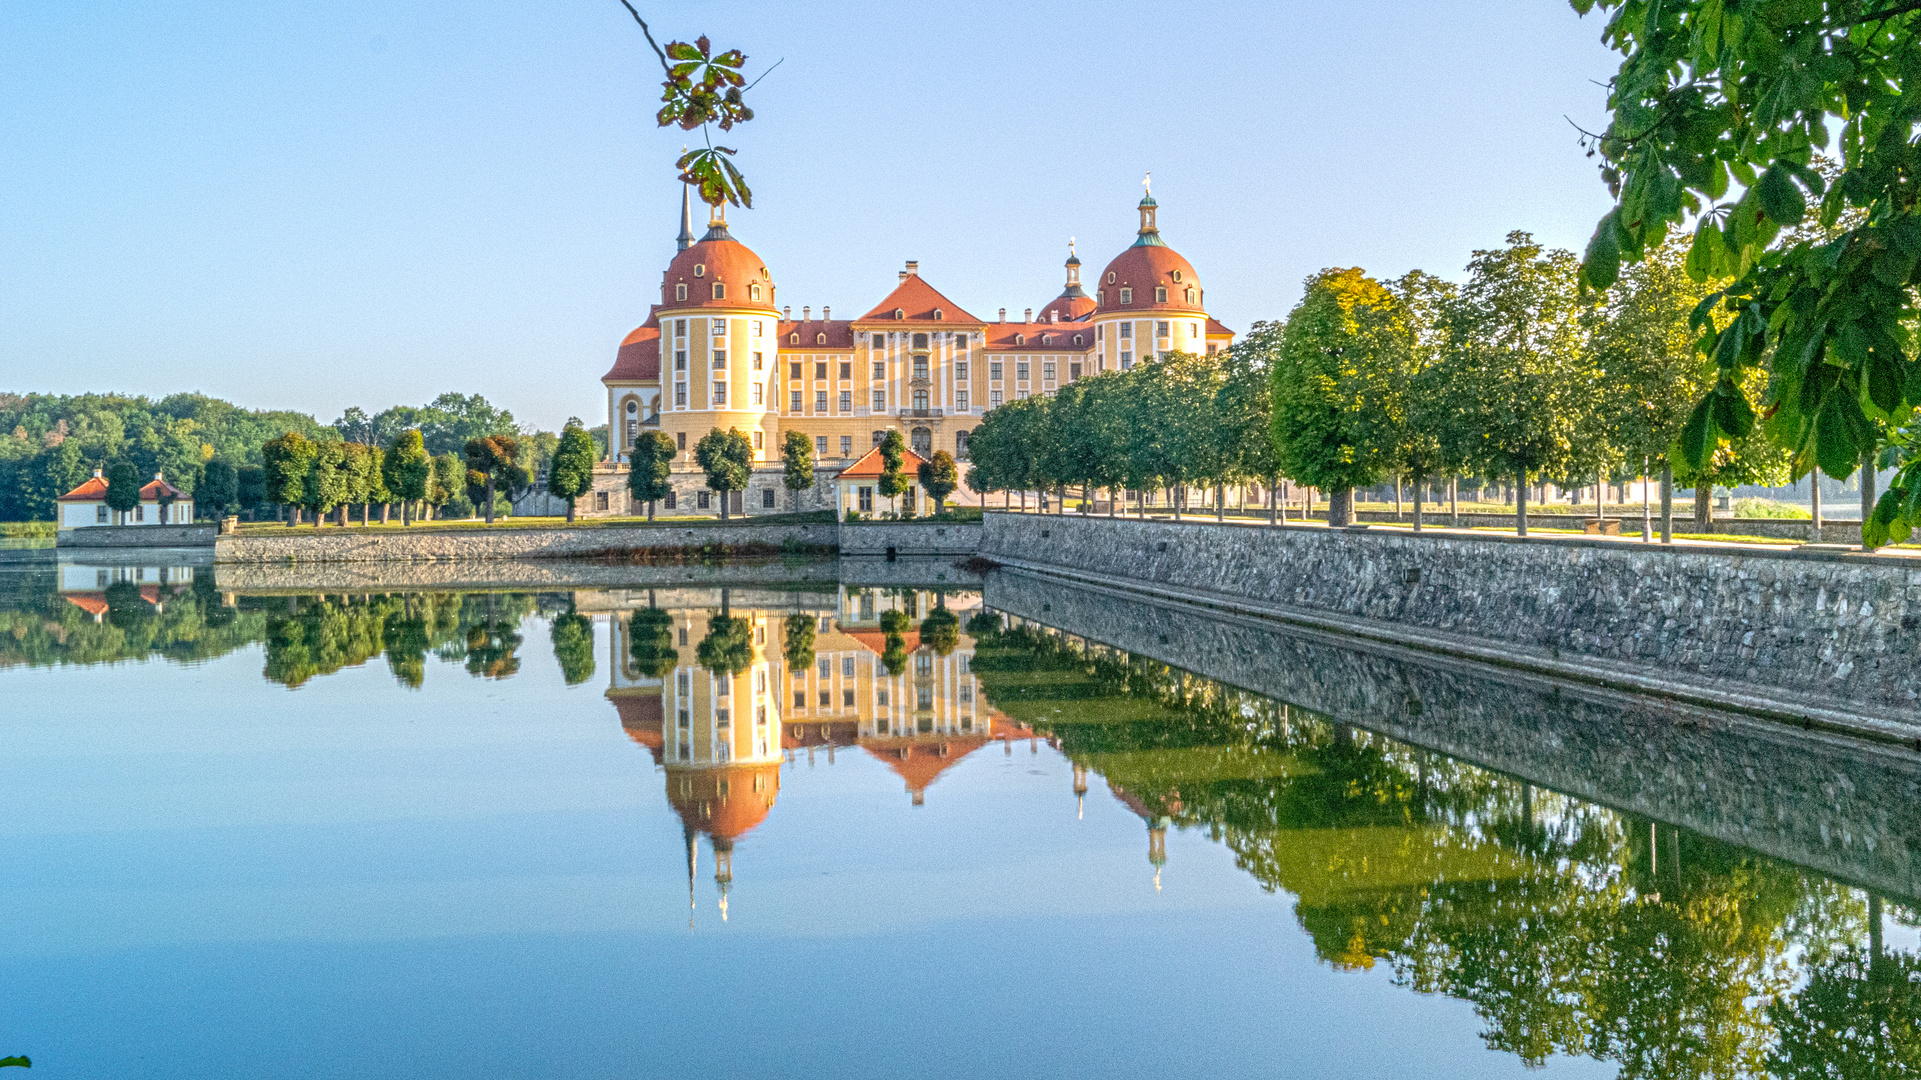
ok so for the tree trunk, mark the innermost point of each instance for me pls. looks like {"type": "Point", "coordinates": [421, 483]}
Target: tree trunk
{"type": "Point", "coordinates": [1420, 492]}
{"type": "Point", "coordinates": [1220, 502]}
{"type": "Point", "coordinates": [1340, 507]}
{"type": "Point", "coordinates": [406, 511]}
{"type": "Point", "coordinates": [650, 511]}
{"type": "Point", "coordinates": [386, 512]}
{"type": "Point", "coordinates": [1704, 505]}
{"type": "Point", "coordinates": [1520, 506]}
{"type": "Point", "coordinates": [1667, 503]}
{"type": "Point", "coordinates": [1174, 500]}
{"type": "Point", "coordinates": [1453, 503]}
{"type": "Point", "coordinates": [1867, 489]}
{"type": "Point", "coordinates": [1274, 512]}
{"type": "Point", "coordinates": [570, 509]}
{"type": "Point", "coordinates": [1647, 515]}
{"type": "Point", "coordinates": [490, 499]}
{"type": "Point", "coordinates": [1397, 496]}
{"type": "Point", "coordinates": [1814, 496]}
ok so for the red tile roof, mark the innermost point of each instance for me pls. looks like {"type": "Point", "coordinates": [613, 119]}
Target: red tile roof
{"type": "Point", "coordinates": [875, 641]}
{"type": "Point", "coordinates": [921, 760]}
{"type": "Point", "coordinates": [157, 487]}
{"type": "Point", "coordinates": [869, 466]}
{"type": "Point", "coordinates": [1142, 268]}
{"type": "Point", "coordinates": [639, 357]}
{"type": "Point", "coordinates": [1215, 329]}
{"type": "Point", "coordinates": [1070, 307]}
{"type": "Point", "coordinates": [93, 603]}
{"type": "Point", "coordinates": [1040, 337]}
{"type": "Point", "coordinates": [93, 490]}
{"type": "Point", "coordinates": [918, 301]}
{"type": "Point", "coordinates": [840, 334]}
{"type": "Point", "coordinates": [719, 258]}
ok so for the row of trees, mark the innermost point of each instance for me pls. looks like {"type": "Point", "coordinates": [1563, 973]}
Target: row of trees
{"type": "Point", "coordinates": [726, 460]}
{"type": "Point", "coordinates": [1516, 374]}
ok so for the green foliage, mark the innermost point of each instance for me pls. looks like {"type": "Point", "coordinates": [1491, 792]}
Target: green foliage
{"type": "Point", "coordinates": [799, 633]}
{"type": "Point", "coordinates": [327, 483]}
{"type": "Point", "coordinates": [123, 487]}
{"type": "Point", "coordinates": [494, 465]}
{"type": "Point", "coordinates": [893, 455]}
{"type": "Point", "coordinates": [447, 484]}
{"type": "Point", "coordinates": [797, 460]}
{"type": "Point", "coordinates": [728, 460]}
{"type": "Point", "coordinates": [573, 635]}
{"type": "Point", "coordinates": [1769, 508]}
{"type": "Point", "coordinates": [650, 641]}
{"type": "Point", "coordinates": [1712, 95]}
{"type": "Point", "coordinates": [650, 468]}
{"type": "Point", "coordinates": [407, 467]}
{"type": "Point", "coordinates": [15, 1062]}
{"type": "Point", "coordinates": [287, 460]}
{"type": "Point", "coordinates": [939, 476]}
{"type": "Point", "coordinates": [572, 473]}
{"type": "Point", "coordinates": [940, 630]}
{"type": "Point", "coordinates": [1857, 1015]}
{"type": "Point", "coordinates": [703, 87]}
{"type": "Point", "coordinates": [219, 491]}
{"type": "Point", "coordinates": [728, 648]}
{"type": "Point", "coordinates": [1337, 410]}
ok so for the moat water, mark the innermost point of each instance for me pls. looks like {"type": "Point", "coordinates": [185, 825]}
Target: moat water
{"type": "Point", "coordinates": [790, 825]}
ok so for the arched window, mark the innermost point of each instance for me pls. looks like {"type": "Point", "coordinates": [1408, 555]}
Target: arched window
{"type": "Point", "coordinates": [753, 292]}
{"type": "Point", "coordinates": [878, 436]}
{"type": "Point", "coordinates": [1047, 339]}
{"type": "Point", "coordinates": [922, 441]}
{"type": "Point", "coordinates": [1190, 294]}
{"type": "Point", "coordinates": [1079, 339]}
{"type": "Point", "coordinates": [793, 339]}
{"type": "Point", "coordinates": [720, 291]}
{"type": "Point", "coordinates": [939, 314]}
{"type": "Point", "coordinates": [1160, 294]}
{"type": "Point", "coordinates": [899, 314]}
{"type": "Point", "coordinates": [680, 291]}
{"type": "Point", "coordinates": [1020, 339]}
{"type": "Point", "coordinates": [820, 339]}
{"type": "Point", "coordinates": [960, 444]}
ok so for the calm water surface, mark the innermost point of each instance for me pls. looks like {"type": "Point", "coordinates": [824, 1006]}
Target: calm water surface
{"type": "Point", "coordinates": [793, 828]}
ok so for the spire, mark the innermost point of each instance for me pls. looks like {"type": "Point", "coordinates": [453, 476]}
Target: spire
{"type": "Point", "coordinates": [686, 238]}
{"type": "Point", "coordinates": [1150, 233]}
{"type": "Point", "coordinates": [693, 849]}
{"type": "Point", "coordinates": [1073, 271]}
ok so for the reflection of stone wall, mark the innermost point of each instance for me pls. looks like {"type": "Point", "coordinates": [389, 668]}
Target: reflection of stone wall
{"type": "Point", "coordinates": [1820, 630]}
{"type": "Point", "coordinates": [543, 574]}
{"type": "Point", "coordinates": [1847, 809]}
{"type": "Point", "coordinates": [427, 544]}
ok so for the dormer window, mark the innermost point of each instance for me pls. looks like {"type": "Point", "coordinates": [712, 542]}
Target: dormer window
{"type": "Point", "coordinates": [1127, 296]}
{"type": "Point", "coordinates": [1160, 294]}
{"type": "Point", "coordinates": [820, 339]}
{"type": "Point", "coordinates": [1020, 339]}
{"type": "Point", "coordinates": [1177, 275]}
{"type": "Point", "coordinates": [793, 339]}
{"type": "Point", "coordinates": [1047, 339]}
{"type": "Point", "coordinates": [1100, 296]}
{"type": "Point", "coordinates": [939, 314]}
{"type": "Point", "coordinates": [899, 313]}
{"type": "Point", "coordinates": [720, 291]}
{"type": "Point", "coordinates": [680, 291]}
{"type": "Point", "coordinates": [1110, 277]}
{"type": "Point", "coordinates": [1190, 294]}
{"type": "Point", "coordinates": [700, 269]}
{"type": "Point", "coordinates": [753, 291]}
{"type": "Point", "coordinates": [1079, 340]}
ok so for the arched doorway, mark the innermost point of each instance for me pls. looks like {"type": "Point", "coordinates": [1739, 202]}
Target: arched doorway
{"type": "Point", "coordinates": [923, 441]}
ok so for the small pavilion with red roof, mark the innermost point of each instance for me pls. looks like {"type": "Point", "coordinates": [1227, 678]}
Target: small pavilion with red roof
{"type": "Point", "coordinates": [160, 504]}
{"type": "Point", "coordinates": [857, 488]}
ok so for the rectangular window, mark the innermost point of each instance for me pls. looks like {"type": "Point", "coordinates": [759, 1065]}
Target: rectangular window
{"type": "Point", "coordinates": [680, 395]}
{"type": "Point", "coordinates": [1127, 360]}
{"type": "Point", "coordinates": [1020, 395]}
{"type": "Point", "coordinates": [680, 442]}
{"type": "Point", "coordinates": [960, 371]}
{"type": "Point", "coordinates": [820, 371]}
{"type": "Point", "coordinates": [846, 401]}
{"type": "Point", "coordinates": [820, 401]}
{"type": "Point", "coordinates": [680, 327]}
{"type": "Point", "coordinates": [703, 500]}
{"type": "Point", "coordinates": [1127, 296]}
{"type": "Point", "coordinates": [793, 370]}
{"type": "Point", "coordinates": [1047, 372]}
{"type": "Point", "coordinates": [993, 399]}
{"type": "Point", "coordinates": [880, 369]}
{"type": "Point", "coordinates": [846, 699]}
{"type": "Point", "coordinates": [757, 360]}
{"type": "Point", "coordinates": [880, 697]}
{"type": "Point", "coordinates": [1160, 329]}
{"type": "Point", "coordinates": [826, 698]}
{"type": "Point", "coordinates": [1127, 330]}
{"type": "Point", "coordinates": [847, 667]}
{"type": "Point", "coordinates": [846, 370]}
{"type": "Point", "coordinates": [800, 699]}
{"type": "Point", "coordinates": [100, 515]}
{"type": "Point", "coordinates": [880, 341]}
{"type": "Point", "coordinates": [920, 367]}
{"type": "Point", "coordinates": [720, 393]}
{"type": "Point", "coordinates": [672, 501]}
{"type": "Point", "coordinates": [846, 446]}
{"type": "Point", "coordinates": [1020, 371]}
{"type": "Point", "coordinates": [820, 446]}
{"type": "Point", "coordinates": [994, 371]}
{"type": "Point", "coordinates": [1073, 371]}
{"type": "Point", "coordinates": [680, 359]}
{"type": "Point", "coordinates": [960, 342]}
{"type": "Point", "coordinates": [793, 401]}
{"type": "Point", "coordinates": [767, 498]}
{"type": "Point", "coordinates": [756, 324]}
{"type": "Point", "coordinates": [960, 400]}
{"type": "Point", "coordinates": [756, 394]}
{"type": "Point", "coordinates": [1100, 332]}
{"type": "Point", "coordinates": [720, 358]}
{"type": "Point", "coordinates": [865, 500]}
{"type": "Point", "coordinates": [719, 329]}
{"type": "Point", "coordinates": [759, 436]}
{"type": "Point", "coordinates": [1193, 329]}
{"type": "Point", "coordinates": [1160, 294]}
{"type": "Point", "coordinates": [720, 715]}
{"type": "Point", "coordinates": [880, 401]}
{"type": "Point", "coordinates": [966, 697]}
{"type": "Point", "coordinates": [680, 291]}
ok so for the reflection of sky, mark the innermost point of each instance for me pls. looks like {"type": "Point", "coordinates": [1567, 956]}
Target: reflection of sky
{"type": "Point", "coordinates": [485, 878]}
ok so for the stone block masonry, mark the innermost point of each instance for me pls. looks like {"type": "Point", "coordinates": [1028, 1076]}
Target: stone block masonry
{"type": "Point", "coordinates": [137, 536]}
{"type": "Point", "coordinates": [427, 544]}
{"type": "Point", "coordinates": [1823, 632]}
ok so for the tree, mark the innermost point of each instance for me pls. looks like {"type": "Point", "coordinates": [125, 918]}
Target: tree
{"type": "Point", "coordinates": [728, 648]}
{"type": "Point", "coordinates": [939, 476]}
{"type": "Point", "coordinates": [572, 473]}
{"type": "Point", "coordinates": [377, 490]}
{"type": "Point", "coordinates": [287, 461]}
{"type": "Point", "coordinates": [357, 476]}
{"type": "Point", "coordinates": [1336, 412]}
{"type": "Point", "coordinates": [327, 481]}
{"type": "Point", "coordinates": [650, 469]}
{"type": "Point", "coordinates": [219, 490]}
{"type": "Point", "coordinates": [495, 459]}
{"type": "Point", "coordinates": [650, 639]}
{"type": "Point", "coordinates": [407, 468]}
{"type": "Point", "coordinates": [451, 421]}
{"type": "Point", "coordinates": [797, 457]}
{"type": "Point", "coordinates": [1243, 410]}
{"type": "Point", "coordinates": [798, 635]}
{"type": "Point", "coordinates": [252, 487]}
{"type": "Point", "coordinates": [893, 455]}
{"type": "Point", "coordinates": [1514, 388]}
{"type": "Point", "coordinates": [1711, 93]}
{"type": "Point", "coordinates": [1859, 1014]}
{"type": "Point", "coordinates": [446, 484]}
{"type": "Point", "coordinates": [727, 458]}
{"type": "Point", "coordinates": [123, 489]}
{"type": "Point", "coordinates": [940, 631]}
{"type": "Point", "coordinates": [573, 635]}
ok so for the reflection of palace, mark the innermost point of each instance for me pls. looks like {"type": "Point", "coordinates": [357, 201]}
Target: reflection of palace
{"type": "Point", "coordinates": [91, 588]}
{"type": "Point", "coordinates": [880, 675]}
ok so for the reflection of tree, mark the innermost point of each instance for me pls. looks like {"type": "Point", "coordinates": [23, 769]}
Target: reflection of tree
{"type": "Point", "coordinates": [1857, 1016]}
{"type": "Point", "coordinates": [650, 639]}
{"type": "Point", "coordinates": [893, 626]}
{"type": "Point", "coordinates": [319, 635]}
{"type": "Point", "coordinates": [798, 631]}
{"type": "Point", "coordinates": [573, 635]}
{"type": "Point", "coordinates": [728, 648]}
{"type": "Point", "coordinates": [407, 640]}
{"type": "Point", "coordinates": [184, 623]}
{"type": "Point", "coordinates": [490, 648]}
{"type": "Point", "coordinates": [1571, 928]}
{"type": "Point", "coordinates": [940, 630]}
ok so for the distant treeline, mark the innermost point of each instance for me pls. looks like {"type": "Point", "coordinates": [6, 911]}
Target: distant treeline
{"type": "Point", "coordinates": [50, 443]}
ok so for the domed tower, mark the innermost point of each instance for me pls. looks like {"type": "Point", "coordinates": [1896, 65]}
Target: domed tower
{"type": "Point", "coordinates": [1148, 301]}
{"type": "Point", "coordinates": [1073, 304]}
{"type": "Point", "coordinates": [718, 328]}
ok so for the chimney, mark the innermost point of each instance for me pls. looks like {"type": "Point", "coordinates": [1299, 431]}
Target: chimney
{"type": "Point", "coordinates": [1003, 314]}
{"type": "Point", "coordinates": [806, 312]}
{"type": "Point", "coordinates": [96, 474]}
{"type": "Point", "coordinates": [913, 267]}
{"type": "Point", "coordinates": [1029, 317]}
{"type": "Point", "coordinates": [826, 312]}
{"type": "Point", "coordinates": [787, 312]}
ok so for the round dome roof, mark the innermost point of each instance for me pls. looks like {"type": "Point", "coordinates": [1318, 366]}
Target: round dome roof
{"type": "Point", "coordinates": [723, 802]}
{"type": "Point", "coordinates": [1143, 268]}
{"type": "Point", "coordinates": [1071, 304]}
{"type": "Point", "coordinates": [718, 260]}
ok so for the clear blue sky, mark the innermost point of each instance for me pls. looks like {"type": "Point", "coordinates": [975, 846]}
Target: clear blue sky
{"type": "Point", "coordinates": [318, 205]}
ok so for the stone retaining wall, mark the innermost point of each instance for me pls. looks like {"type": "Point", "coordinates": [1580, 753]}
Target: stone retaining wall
{"type": "Point", "coordinates": [1847, 809]}
{"type": "Point", "coordinates": [427, 544]}
{"type": "Point", "coordinates": [528, 574]}
{"type": "Point", "coordinates": [874, 539]}
{"type": "Point", "coordinates": [1821, 630]}
{"type": "Point", "coordinates": [137, 536]}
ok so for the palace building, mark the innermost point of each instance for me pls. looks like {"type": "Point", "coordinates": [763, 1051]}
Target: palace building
{"type": "Point", "coordinates": [718, 351]}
